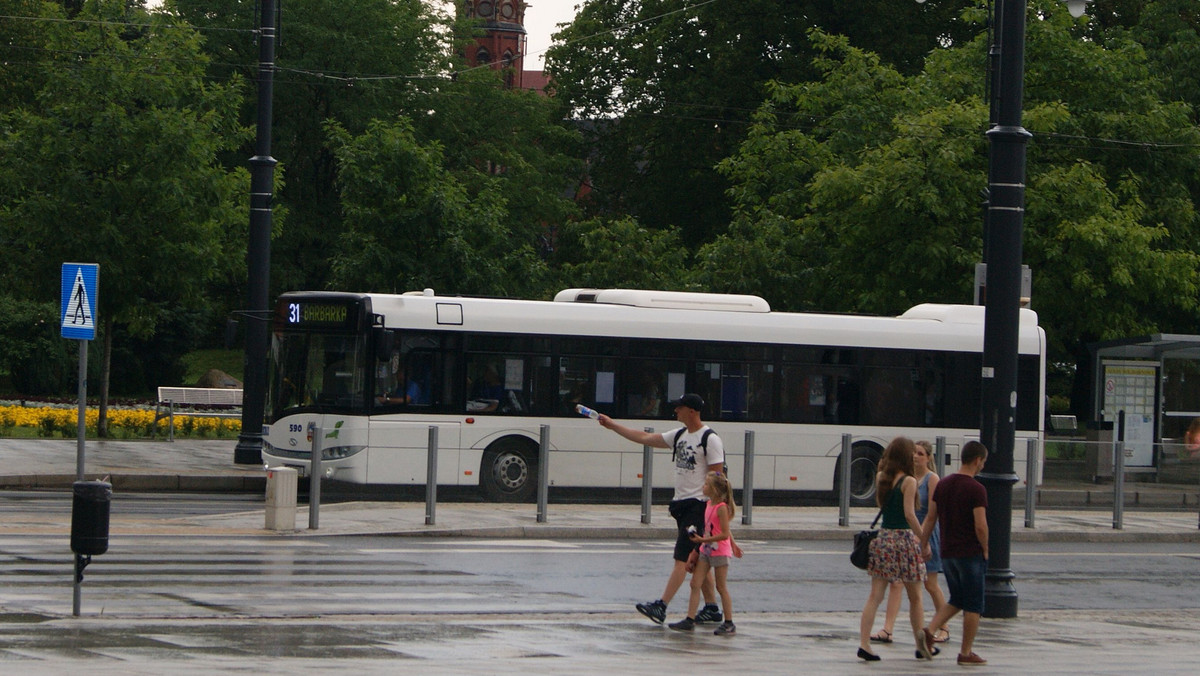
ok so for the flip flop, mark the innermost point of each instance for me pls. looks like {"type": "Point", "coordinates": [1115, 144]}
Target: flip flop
{"type": "Point", "coordinates": [882, 636]}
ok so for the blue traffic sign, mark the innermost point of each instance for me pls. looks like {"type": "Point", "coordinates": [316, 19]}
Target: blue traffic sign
{"type": "Point", "coordinates": [79, 299]}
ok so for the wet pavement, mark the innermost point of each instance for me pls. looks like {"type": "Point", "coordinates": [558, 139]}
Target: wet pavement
{"type": "Point", "coordinates": [1066, 512]}
{"type": "Point", "coordinates": [603, 642]}
{"type": "Point", "coordinates": [1055, 642]}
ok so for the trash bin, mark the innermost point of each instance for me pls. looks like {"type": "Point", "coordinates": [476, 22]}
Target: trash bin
{"type": "Point", "coordinates": [89, 517]}
{"type": "Point", "coordinates": [1098, 458]}
{"type": "Point", "coordinates": [281, 498]}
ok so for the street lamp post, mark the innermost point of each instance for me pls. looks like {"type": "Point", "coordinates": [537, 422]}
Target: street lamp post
{"type": "Point", "coordinates": [1005, 220]}
{"type": "Point", "coordinates": [1003, 235]}
{"type": "Point", "coordinates": [258, 252]}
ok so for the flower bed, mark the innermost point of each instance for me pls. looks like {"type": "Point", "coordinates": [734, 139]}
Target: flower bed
{"type": "Point", "coordinates": [61, 422]}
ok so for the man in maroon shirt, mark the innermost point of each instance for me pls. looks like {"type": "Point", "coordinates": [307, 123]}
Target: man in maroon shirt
{"type": "Point", "coordinates": [959, 506]}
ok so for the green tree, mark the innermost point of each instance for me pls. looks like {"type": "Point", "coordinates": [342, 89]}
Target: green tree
{"type": "Point", "coordinates": [510, 143]}
{"type": "Point", "coordinates": [1169, 30]}
{"type": "Point", "coordinates": [388, 68]}
{"type": "Point", "coordinates": [870, 179]}
{"type": "Point", "coordinates": [621, 254]}
{"type": "Point", "coordinates": [679, 80]}
{"type": "Point", "coordinates": [410, 223]}
{"type": "Point", "coordinates": [37, 360]}
{"type": "Point", "coordinates": [117, 163]}
{"type": "Point", "coordinates": [23, 31]}
{"type": "Point", "coordinates": [349, 63]}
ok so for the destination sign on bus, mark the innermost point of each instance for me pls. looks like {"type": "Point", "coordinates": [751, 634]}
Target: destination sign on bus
{"type": "Point", "coordinates": [302, 313]}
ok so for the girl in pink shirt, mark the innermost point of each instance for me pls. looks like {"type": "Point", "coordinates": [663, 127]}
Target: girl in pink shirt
{"type": "Point", "coordinates": [716, 548]}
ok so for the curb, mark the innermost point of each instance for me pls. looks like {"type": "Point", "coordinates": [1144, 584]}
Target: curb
{"type": "Point", "coordinates": [1058, 497]}
{"type": "Point", "coordinates": [255, 481]}
{"type": "Point", "coordinates": [745, 533]}
{"type": "Point", "coordinates": [135, 483]}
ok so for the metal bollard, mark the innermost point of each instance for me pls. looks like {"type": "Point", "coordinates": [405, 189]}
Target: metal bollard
{"type": "Point", "coordinates": [844, 493]}
{"type": "Point", "coordinates": [748, 480]}
{"type": "Point", "coordinates": [939, 450]}
{"type": "Point", "coordinates": [431, 478]}
{"type": "Point", "coordinates": [543, 472]}
{"type": "Point", "coordinates": [647, 480]}
{"type": "Point", "coordinates": [1119, 474]}
{"type": "Point", "coordinates": [1031, 473]}
{"type": "Point", "coordinates": [314, 477]}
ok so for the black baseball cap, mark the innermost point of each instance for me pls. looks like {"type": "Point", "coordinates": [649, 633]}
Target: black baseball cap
{"type": "Point", "coordinates": [692, 401]}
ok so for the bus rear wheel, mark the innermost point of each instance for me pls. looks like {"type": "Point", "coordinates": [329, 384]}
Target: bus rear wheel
{"type": "Point", "coordinates": [509, 471]}
{"type": "Point", "coordinates": [864, 463]}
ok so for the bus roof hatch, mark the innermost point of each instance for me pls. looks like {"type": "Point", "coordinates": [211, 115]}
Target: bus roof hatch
{"type": "Point", "coordinates": [673, 300]}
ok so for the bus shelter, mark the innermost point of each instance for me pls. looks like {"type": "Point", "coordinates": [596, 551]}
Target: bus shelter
{"type": "Point", "coordinates": [1155, 380]}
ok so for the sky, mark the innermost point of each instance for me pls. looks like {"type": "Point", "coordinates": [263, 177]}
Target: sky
{"type": "Point", "coordinates": [541, 20]}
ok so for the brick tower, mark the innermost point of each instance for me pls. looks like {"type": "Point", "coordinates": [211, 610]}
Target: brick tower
{"type": "Point", "coordinates": [503, 43]}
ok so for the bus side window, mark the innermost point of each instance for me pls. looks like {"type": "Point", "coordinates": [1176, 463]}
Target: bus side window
{"type": "Point", "coordinates": [845, 404]}
{"type": "Point", "coordinates": [420, 387]}
{"type": "Point", "coordinates": [542, 397]}
{"type": "Point", "coordinates": [497, 384]}
{"type": "Point", "coordinates": [647, 388]}
{"type": "Point", "coordinates": [590, 381]}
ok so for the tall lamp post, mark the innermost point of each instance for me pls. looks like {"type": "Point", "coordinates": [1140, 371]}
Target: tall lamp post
{"type": "Point", "coordinates": [1003, 233]}
{"type": "Point", "coordinates": [258, 252]}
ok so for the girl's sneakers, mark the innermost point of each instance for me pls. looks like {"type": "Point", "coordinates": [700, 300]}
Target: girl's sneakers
{"type": "Point", "coordinates": [727, 628]}
{"type": "Point", "coordinates": [686, 624]}
{"type": "Point", "coordinates": [709, 613]}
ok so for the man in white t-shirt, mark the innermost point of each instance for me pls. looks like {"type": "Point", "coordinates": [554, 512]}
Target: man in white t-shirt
{"type": "Point", "coordinates": [696, 450]}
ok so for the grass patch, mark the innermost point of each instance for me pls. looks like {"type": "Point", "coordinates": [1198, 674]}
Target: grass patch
{"type": "Point", "coordinates": [1065, 449]}
{"type": "Point", "coordinates": [198, 363]}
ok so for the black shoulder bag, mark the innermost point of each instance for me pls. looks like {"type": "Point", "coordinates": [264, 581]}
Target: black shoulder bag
{"type": "Point", "coordinates": [861, 554]}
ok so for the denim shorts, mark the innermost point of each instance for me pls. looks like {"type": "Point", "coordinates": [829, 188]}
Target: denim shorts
{"type": "Point", "coordinates": [965, 579]}
{"type": "Point", "coordinates": [714, 561]}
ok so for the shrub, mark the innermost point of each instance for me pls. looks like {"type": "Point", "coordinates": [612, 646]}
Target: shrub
{"type": "Point", "coordinates": [46, 424]}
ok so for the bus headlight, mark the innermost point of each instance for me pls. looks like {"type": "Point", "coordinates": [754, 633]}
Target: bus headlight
{"type": "Point", "coordinates": [340, 452]}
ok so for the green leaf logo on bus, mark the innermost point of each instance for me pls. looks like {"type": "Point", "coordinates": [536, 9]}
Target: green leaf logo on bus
{"type": "Point", "coordinates": [337, 427]}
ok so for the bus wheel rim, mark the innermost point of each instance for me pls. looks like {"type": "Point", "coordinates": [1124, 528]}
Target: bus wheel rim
{"type": "Point", "coordinates": [505, 465]}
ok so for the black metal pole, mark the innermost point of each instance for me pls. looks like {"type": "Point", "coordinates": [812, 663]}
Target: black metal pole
{"type": "Point", "coordinates": [1006, 210]}
{"type": "Point", "coordinates": [258, 253]}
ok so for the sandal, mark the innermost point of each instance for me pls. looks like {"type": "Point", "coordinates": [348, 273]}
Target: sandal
{"type": "Point", "coordinates": [941, 635]}
{"type": "Point", "coordinates": [882, 636]}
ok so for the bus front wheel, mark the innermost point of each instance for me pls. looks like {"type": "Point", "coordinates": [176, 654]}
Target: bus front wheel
{"type": "Point", "coordinates": [509, 471]}
{"type": "Point", "coordinates": [864, 463]}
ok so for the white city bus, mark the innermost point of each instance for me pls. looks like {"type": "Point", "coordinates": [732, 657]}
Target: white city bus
{"type": "Point", "coordinates": [375, 371]}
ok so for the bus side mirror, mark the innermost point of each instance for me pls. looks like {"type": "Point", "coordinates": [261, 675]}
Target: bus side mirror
{"type": "Point", "coordinates": [385, 342]}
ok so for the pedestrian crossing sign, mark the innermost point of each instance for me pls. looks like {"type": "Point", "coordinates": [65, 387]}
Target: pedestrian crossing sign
{"type": "Point", "coordinates": [79, 300]}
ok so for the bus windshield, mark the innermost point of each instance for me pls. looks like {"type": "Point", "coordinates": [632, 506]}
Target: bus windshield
{"type": "Point", "coordinates": [315, 371]}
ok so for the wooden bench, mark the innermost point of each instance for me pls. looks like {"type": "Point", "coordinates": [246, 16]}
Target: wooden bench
{"type": "Point", "coordinates": [205, 397]}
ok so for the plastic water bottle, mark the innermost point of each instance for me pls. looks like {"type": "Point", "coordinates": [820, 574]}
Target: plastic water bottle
{"type": "Point", "coordinates": [584, 410]}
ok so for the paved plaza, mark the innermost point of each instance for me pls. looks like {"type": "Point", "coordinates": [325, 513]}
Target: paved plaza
{"type": "Point", "coordinates": [601, 642]}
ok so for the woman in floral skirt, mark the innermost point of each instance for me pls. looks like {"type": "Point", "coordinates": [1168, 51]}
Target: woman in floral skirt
{"type": "Point", "coordinates": [896, 552]}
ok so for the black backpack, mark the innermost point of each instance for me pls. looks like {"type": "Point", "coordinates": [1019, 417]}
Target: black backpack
{"type": "Point", "coordinates": [703, 445]}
